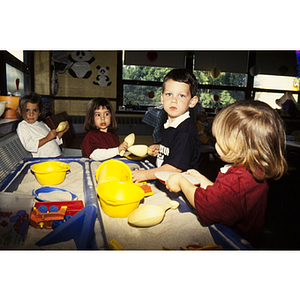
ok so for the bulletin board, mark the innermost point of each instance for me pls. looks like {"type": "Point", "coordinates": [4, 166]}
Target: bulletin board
{"type": "Point", "coordinates": [86, 73]}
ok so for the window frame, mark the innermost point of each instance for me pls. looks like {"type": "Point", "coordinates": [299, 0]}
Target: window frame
{"type": "Point", "coordinates": [188, 64]}
{"type": "Point", "coordinates": [249, 89]}
{"type": "Point", "coordinates": [25, 67]}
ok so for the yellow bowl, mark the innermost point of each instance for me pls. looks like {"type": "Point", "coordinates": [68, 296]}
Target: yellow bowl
{"type": "Point", "coordinates": [119, 199]}
{"type": "Point", "coordinates": [113, 170]}
{"type": "Point", "coordinates": [50, 172]}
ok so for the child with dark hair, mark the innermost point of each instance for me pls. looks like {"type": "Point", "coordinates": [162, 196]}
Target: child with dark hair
{"type": "Point", "coordinates": [250, 137]}
{"type": "Point", "coordinates": [203, 130]}
{"type": "Point", "coordinates": [35, 135]}
{"type": "Point", "coordinates": [180, 147]}
{"type": "Point", "coordinates": [101, 142]}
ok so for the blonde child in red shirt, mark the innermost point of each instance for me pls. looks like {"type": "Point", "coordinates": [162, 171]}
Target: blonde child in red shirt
{"type": "Point", "coordinates": [250, 137]}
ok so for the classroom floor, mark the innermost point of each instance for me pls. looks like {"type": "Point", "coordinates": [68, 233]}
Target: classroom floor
{"type": "Point", "coordinates": [282, 222]}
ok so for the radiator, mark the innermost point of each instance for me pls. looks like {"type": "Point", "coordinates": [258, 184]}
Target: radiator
{"type": "Point", "coordinates": [134, 125]}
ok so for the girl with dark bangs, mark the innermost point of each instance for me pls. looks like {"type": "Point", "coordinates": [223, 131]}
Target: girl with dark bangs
{"type": "Point", "coordinates": [101, 142]}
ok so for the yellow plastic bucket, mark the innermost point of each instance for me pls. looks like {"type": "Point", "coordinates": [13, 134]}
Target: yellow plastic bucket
{"type": "Point", "coordinates": [113, 170]}
{"type": "Point", "coordinates": [119, 199]}
{"type": "Point", "coordinates": [50, 172]}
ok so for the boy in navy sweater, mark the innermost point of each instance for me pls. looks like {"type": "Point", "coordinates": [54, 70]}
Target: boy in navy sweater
{"type": "Point", "coordinates": [180, 147]}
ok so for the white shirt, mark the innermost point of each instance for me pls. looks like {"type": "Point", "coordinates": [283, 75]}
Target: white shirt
{"type": "Point", "coordinates": [30, 134]}
{"type": "Point", "coordinates": [101, 154]}
{"type": "Point", "coordinates": [177, 121]}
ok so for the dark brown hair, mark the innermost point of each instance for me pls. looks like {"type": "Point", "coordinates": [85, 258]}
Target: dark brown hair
{"type": "Point", "coordinates": [89, 123]}
{"type": "Point", "coordinates": [182, 75]}
{"type": "Point", "coordinates": [31, 97]}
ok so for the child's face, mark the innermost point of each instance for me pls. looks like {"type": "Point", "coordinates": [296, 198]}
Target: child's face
{"type": "Point", "coordinates": [31, 113]}
{"type": "Point", "coordinates": [176, 98]}
{"type": "Point", "coordinates": [102, 118]}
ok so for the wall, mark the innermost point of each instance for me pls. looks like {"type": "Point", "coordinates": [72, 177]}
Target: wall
{"type": "Point", "coordinates": [91, 75]}
{"type": "Point", "coordinates": [70, 86]}
{"type": "Point", "coordinates": [42, 72]}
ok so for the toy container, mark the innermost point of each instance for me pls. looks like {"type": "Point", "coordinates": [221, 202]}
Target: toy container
{"type": "Point", "coordinates": [50, 172]}
{"type": "Point", "coordinates": [13, 102]}
{"type": "Point", "coordinates": [15, 210]}
{"type": "Point", "coordinates": [113, 170]}
{"type": "Point", "coordinates": [119, 199]}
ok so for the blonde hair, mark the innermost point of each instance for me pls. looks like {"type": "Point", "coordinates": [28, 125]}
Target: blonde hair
{"type": "Point", "coordinates": [251, 134]}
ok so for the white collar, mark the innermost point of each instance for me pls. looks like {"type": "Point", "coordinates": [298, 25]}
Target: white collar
{"type": "Point", "coordinates": [177, 121]}
{"type": "Point", "coordinates": [226, 168]}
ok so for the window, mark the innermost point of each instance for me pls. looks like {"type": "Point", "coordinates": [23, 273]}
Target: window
{"type": "Point", "coordinates": [222, 76]}
{"type": "Point", "coordinates": [142, 87]}
{"type": "Point", "coordinates": [142, 76]}
{"type": "Point", "coordinates": [227, 76]}
{"type": "Point", "coordinates": [14, 81]}
{"type": "Point", "coordinates": [277, 72]}
{"type": "Point", "coordinates": [15, 72]}
{"type": "Point", "coordinates": [224, 79]}
{"type": "Point", "coordinates": [273, 83]}
{"type": "Point", "coordinates": [228, 87]}
{"type": "Point", "coordinates": [139, 96]}
{"type": "Point", "coordinates": [208, 99]}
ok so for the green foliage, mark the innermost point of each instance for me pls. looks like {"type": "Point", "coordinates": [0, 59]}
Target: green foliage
{"type": "Point", "coordinates": [206, 96]}
{"type": "Point", "coordinates": [144, 73]}
{"type": "Point", "coordinates": [135, 95]}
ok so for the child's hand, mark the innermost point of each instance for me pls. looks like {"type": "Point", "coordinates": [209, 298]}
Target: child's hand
{"type": "Point", "coordinates": [204, 182]}
{"type": "Point", "coordinates": [177, 183]}
{"type": "Point", "coordinates": [123, 147]}
{"type": "Point", "coordinates": [138, 176]}
{"type": "Point", "coordinates": [173, 183]}
{"type": "Point", "coordinates": [153, 150]}
{"type": "Point", "coordinates": [60, 134]}
{"type": "Point", "coordinates": [67, 127]}
{"type": "Point", "coordinates": [193, 173]}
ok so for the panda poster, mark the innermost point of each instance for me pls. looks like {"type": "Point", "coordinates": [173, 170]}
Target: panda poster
{"type": "Point", "coordinates": [88, 74]}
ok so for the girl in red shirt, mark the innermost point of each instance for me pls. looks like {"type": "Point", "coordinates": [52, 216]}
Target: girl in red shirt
{"type": "Point", "coordinates": [250, 137]}
{"type": "Point", "coordinates": [101, 142]}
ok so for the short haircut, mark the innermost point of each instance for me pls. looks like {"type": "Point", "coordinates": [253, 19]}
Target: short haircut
{"type": "Point", "coordinates": [182, 75]}
{"type": "Point", "coordinates": [251, 134]}
{"type": "Point", "coordinates": [31, 97]}
{"type": "Point", "coordinates": [89, 123]}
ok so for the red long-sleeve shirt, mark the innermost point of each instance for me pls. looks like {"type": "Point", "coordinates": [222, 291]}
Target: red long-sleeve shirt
{"type": "Point", "coordinates": [96, 139]}
{"type": "Point", "coordinates": [237, 200]}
